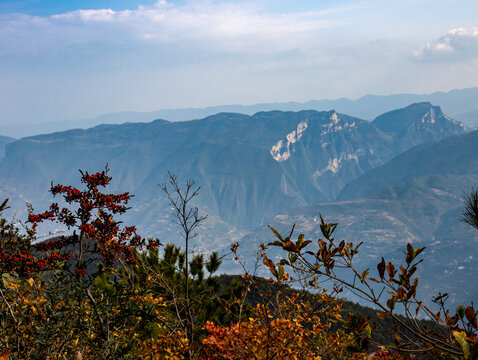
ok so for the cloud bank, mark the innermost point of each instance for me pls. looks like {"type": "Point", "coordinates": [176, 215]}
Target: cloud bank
{"type": "Point", "coordinates": [228, 27]}
{"type": "Point", "coordinates": [458, 44]}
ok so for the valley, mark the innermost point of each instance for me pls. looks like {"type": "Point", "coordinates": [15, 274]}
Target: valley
{"type": "Point", "coordinates": [394, 180]}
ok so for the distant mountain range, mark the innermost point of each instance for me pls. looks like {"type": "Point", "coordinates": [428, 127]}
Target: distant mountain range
{"type": "Point", "coordinates": [460, 104]}
{"type": "Point", "coordinates": [249, 167]}
{"type": "Point", "coordinates": [395, 179]}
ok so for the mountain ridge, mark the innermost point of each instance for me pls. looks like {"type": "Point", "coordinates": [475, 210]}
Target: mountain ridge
{"type": "Point", "coordinates": [458, 103]}
{"type": "Point", "coordinates": [249, 167]}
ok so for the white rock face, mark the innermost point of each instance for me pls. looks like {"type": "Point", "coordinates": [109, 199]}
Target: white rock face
{"type": "Point", "coordinates": [335, 124]}
{"type": "Point", "coordinates": [336, 163]}
{"type": "Point", "coordinates": [429, 117]}
{"type": "Point", "coordinates": [281, 150]}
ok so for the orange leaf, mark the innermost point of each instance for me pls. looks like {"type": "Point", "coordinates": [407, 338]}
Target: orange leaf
{"type": "Point", "coordinates": [382, 315]}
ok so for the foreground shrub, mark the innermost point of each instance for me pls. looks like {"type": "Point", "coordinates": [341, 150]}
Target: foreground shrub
{"type": "Point", "coordinates": [296, 328]}
{"type": "Point", "coordinates": [395, 287]}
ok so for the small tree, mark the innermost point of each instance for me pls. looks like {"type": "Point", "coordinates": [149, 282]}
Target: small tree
{"type": "Point", "coordinates": [180, 277]}
{"type": "Point", "coordinates": [92, 213]}
{"type": "Point", "coordinates": [85, 264]}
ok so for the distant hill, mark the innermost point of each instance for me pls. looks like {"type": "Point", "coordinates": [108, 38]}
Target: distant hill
{"type": "Point", "coordinates": [460, 104]}
{"type": "Point", "coordinates": [411, 125]}
{"type": "Point", "coordinates": [247, 165]}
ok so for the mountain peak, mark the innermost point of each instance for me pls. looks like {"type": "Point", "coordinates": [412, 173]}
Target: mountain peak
{"type": "Point", "coordinates": [334, 117]}
{"type": "Point", "coordinates": [416, 123]}
{"type": "Point", "coordinates": [422, 112]}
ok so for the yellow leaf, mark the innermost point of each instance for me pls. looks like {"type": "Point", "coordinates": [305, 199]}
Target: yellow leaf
{"type": "Point", "coordinates": [460, 337]}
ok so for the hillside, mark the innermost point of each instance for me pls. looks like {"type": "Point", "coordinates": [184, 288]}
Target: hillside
{"type": "Point", "coordinates": [451, 156]}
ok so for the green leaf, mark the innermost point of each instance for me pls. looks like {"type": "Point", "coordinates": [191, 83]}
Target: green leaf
{"type": "Point", "coordinates": [292, 258]}
{"type": "Point", "coordinates": [275, 243]}
{"type": "Point", "coordinates": [284, 262]}
{"type": "Point", "coordinates": [276, 233]}
{"type": "Point", "coordinates": [281, 271]}
{"type": "Point", "coordinates": [327, 228]}
{"type": "Point", "coordinates": [300, 241]}
{"type": "Point", "coordinates": [7, 279]}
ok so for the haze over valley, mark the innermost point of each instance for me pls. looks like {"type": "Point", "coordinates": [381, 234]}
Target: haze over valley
{"type": "Point", "coordinates": [239, 179]}
{"type": "Point", "coordinates": [363, 111]}
{"type": "Point", "coordinates": [390, 181]}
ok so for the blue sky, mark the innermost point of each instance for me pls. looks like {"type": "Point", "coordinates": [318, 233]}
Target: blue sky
{"type": "Point", "coordinates": [51, 7]}
{"type": "Point", "coordinates": [78, 59]}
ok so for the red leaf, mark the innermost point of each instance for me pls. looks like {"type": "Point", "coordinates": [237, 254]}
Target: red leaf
{"type": "Point", "coordinates": [471, 316]}
{"type": "Point", "coordinates": [381, 268]}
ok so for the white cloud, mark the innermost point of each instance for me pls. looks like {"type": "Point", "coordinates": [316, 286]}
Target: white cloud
{"type": "Point", "coordinates": [230, 27]}
{"type": "Point", "coordinates": [92, 15]}
{"type": "Point", "coordinates": [457, 44]}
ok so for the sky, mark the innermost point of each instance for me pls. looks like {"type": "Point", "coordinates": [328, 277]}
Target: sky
{"type": "Point", "coordinates": [67, 60]}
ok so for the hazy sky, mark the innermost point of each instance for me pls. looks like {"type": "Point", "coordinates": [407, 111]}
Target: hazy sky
{"type": "Point", "coordinates": [80, 58]}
